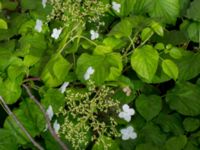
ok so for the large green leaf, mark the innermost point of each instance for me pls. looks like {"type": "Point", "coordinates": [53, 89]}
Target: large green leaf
{"type": "Point", "coordinates": [54, 98]}
{"type": "Point", "coordinates": [122, 29]}
{"type": "Point", "coordinates": [7, 141]}
{"type": "Point", "coordinates": [146, 146]}
{"type": "Point", "coordinates": [184, 98]}
{"type": "Point", "coordinates": [55, 71]}
{"type": "Point", "coordinates": [10, 91]}
{"type": "Point", "coordinates": [32, 119]}
{"type": "Point", "coordinates": [176, 143]}
{"type": "Point", "coordinates": [144, 61]}
{"type": "Point", "coordinates": [149, 106]}
{"type": "Point", "coordinates": [191, 124]}
{"type": "Point", "coordinates": [107, 67]}
{"type": "Point", "coordinates": [165, 10]}
{"type": "Point", "coordinates": [189, 66]}
{"type": "Point", "coordinates": [193, 12]}
{"type": "Point", "coordinates": [170, 68]}
{"type": "Point", "coordinates": [170, 123]}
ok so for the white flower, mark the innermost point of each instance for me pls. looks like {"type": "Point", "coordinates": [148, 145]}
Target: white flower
{"type": "Point", "coordinates": [44, 2]}
{"type": "Point", "coordinates": [126, 113]}
{"type": "Point", "coordinates": [116, 6]}
{"type": "Point", "coordinates": [49, 112]}
{"type": "Point", "coordinates": [63, 87]}
{"type": "Point", "coordinates": [94, 34]}
{"type": "Point", "coordinates": [128, 133]}
{"type": "Point", "coordinates": [127, 91]}
{"type": "Point", "coordinates": [56, 33]}
{"type": "Point", "coordinates": [56, 126]}
{"type": "Point", "coordinates": [88, 73]}
{"type": "Point", "coordinates": [38, 25]}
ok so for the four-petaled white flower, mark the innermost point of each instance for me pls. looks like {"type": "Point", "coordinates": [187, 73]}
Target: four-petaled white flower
{"type": "Point", "coordinates": [116, 6]}
{"type": "Point", "coordinates": [128, 133]}
{"type": "Point", "coordinates": [49, 112]}
{"type": "Point", "coordinates": [127, 91]}
{"type": "Point", "coordinates": [94, 34]}
{"type": "Point", "coordinates": [56, 33]}
{"type": "Point", "coordinates": [56, 126]}
{"type": "Point", "coordinates": [63, 87]}
{"type": "Point", "coordinates": [38, 25]}
{"type": "Point", "coordinates": [44, 2]}
{"type": "Point", "coordinates": [88, 73]}
{"type": "Point", "coordinates": [126, 113]}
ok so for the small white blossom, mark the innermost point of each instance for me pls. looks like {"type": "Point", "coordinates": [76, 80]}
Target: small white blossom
{"type": "Point", "coordinates": [49, 112]}
{"type": "Point", "coordinates": [126, 113]}
{"type": "Point", "coordinates": [38, 25]}
{"type": "Point", "coordinates": [128, 133]}
{"type": "Point", "coordinates": [56, 126]}
{"type": "Point", "coordinates": [116, 6]}
{"type": "Point", "coordinates": [44, 2]}
{"type": "Point", "coordinates": [56, 33]}
{"type": "Point", "coordinates": [127, 91]}
{"type": "Point", "coordinates": [63, 87]}
{"type": "Point", "coordinates": [88, 73]}
{"type": "Point", "coordinates": [94, 34]}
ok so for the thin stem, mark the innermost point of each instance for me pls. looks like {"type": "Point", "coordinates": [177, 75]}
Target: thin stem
{"type": "Point", "coordinates": [53, 133]}
{"type": "Point", "coordinates": [7, 109]}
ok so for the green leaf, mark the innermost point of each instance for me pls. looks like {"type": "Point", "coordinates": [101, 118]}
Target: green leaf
{"type": "Point", "coordinates": [151, 133]}
{"type": "Point", "coordinates": [193, 31]}
{"type": "Point", "coordinates": [55, 71]}
{"type": "Point", "coordinates": [104, 142]}
{"type": "Point", "coordinates": [54, 98]}
{"type": "Point", "coordinates": [193, 12]}
{"type": "Point", "coordinates": [32, 119]}
{"type": "Point", "coordinates": [191, 124]}
{"type": "Point", "coordinates": [176, 143]}
{"type": "Point", "coordinates": [146, 34]}
{"type": "Point", "coordinates": [170, 68]}
{"type": "Point", "coordinates": [146, 146]}
{"type": "Point", "coordinates": [144, 61]}
{"type": "Point", "coordinates": [175, 53]}
{"type": "Point", "coordinates": [170, 123]}
{"type": "Point", "coordinates": [101, 49]}
{"type": "Point", "coordinates": [184, 98]}
{"type": "Point", "coordinates": [10, 91]}
{"type": "Point", "coordinates": [107, 67]}
{"type": "Point", "coordinates": [7, 141]}
{"type": "Point", "coordinates": [157, 28]}
{"type": "Point", "coordinates": [149, 106]}
{"type": "Point", "coordinates": [165, 10]}
{"type": "Point", "coordinates": [3, 24]}
{"type": "Point", "coordinates": [188, 66]}
{"type": "Point", "coordinates": [127, 7]}
{"type": "Point", "coordinates": [122, 29]}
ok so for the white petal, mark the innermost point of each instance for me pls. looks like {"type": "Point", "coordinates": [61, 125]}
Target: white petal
{"type": "Point", "coordinates": [94, 34]}
{"type": "Point", "coordinates": [116, 6]}
{"type": "Point", "coordinates": [49, 112]}
{"type": "Point", "coordinates": [56, 33]}
{"type": "Point", "coordinates": [133, 135]}
{"type": "Point", "coordinates": [127, 118]}
{"type": "Point", "coordinates": [125, 108]}
{"type": "Point", "coordinates": [63, 87]}
{"type": "Point", "coordinates": [121, 114]}
{"type": "Point", "coordinates": [38, 25]}
{"type": "Point", "coordinates": [44, 2]}
{"type": "Point", "coordinates": [131, 112]}
{"type": "Point", "coordinates": [130, 129]}
{"type": "Point", "coordinates": [88, 73]}
{"type": "Point", "coordinates": [56, 126]}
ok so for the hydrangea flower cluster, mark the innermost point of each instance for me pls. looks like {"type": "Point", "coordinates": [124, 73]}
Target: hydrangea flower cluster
{"type": "Point", "coordinates": [126, 113]}
{"type": "Point", "coordinates": [128, 133]}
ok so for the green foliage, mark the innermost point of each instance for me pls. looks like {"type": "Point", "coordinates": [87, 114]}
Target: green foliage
{"type": "Point", "coordinates": [123, 59]}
